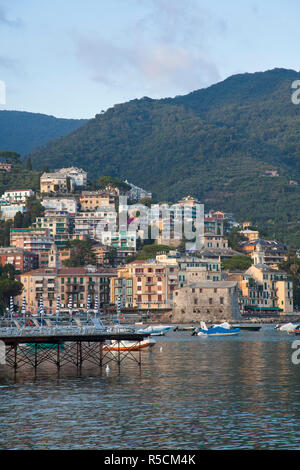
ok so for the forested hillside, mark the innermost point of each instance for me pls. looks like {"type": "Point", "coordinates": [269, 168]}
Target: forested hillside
{"type": "Point", "coordinates": [215, 144]}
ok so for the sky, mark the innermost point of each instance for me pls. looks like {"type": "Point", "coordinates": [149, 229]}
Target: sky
{"type": "Point", "coordinates": [75, 58]}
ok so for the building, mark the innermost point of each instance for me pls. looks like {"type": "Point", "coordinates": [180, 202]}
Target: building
{"type": "Point", "coordinates": [250, 234]}
{"type": "Point", "coordinates": [269, 252]}
{"type": "Point", "coordinates": [102, 253]}
{"type": "Point", "coordinates": [208, 269]}
{"type": "Point", "coordinates": [136, 193]}
{"type": "Point", "coordinates": [31, 239]}
{"type": "Point", "coordinates": [145, 285]}
{"type": "Point", "coordinates": [91, 200]}
{"type": "Point", "coordinates": [66, 204]}
{"type": "Point", "coordinates": [206, 300]}
{"type": "Point", "coordinates": [121, 239]}
{"type": "Point", "coordinates": [75, 283]}
{"type": "Point", "coordinates": [8, 211]}
{"type": "Point", "coordinates": [213, 241]}
{"type": "Point", "coordinates": [59, 223]}
{"type": "Point", "coordinates": [62, 255]}
{"type": "Point", "coordinates": [56, 183]}
{"type": "Point", "coordinates": [21, 259]}
{"type": "Point", "coordinates": [93, 224]}
{"type": "Point", "coordinates": [5, 166]}
{"type": "Point", "coordinates": [17, 195]}
{"type": "Point", "coordinates": [77, 175]}
{"type": "Point", "coordinates": [273, 290]}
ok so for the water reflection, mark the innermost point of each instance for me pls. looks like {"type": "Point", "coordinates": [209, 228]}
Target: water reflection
{"type": "Point", "coordinates": [216, 393]}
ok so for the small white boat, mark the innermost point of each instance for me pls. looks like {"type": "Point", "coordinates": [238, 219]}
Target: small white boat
{"type": "Point", "coordinates": [156, 330]}
{"type": "Point", "coordinates": [288, 327]}
{"type": "Point", "coordinates": [129, 345]}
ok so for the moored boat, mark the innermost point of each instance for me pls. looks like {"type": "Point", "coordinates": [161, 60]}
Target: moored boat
{"type": "Point", "coordinates": [217, 330]}
{"type": "Point", "coordinates": [129, 345]}
{"type": "Point", "coordinates": [247, 327]}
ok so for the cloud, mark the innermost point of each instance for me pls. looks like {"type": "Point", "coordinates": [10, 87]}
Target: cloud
{"type": "Point", "coordinates": [7, 63]}
{"type": "Point", "coordinates": [7, 22]}
{"type": "Point", "coordinates": [165, 53]}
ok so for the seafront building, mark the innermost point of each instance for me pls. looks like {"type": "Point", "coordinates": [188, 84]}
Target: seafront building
{"type": "Point", "coordinates": [75, 283]}
{"type": "Point", "coordinates": [206, 301]}
{"type": "Point", "coordinates": [145, 285]}
{"type": "Point", "coordinates": [264, 290]}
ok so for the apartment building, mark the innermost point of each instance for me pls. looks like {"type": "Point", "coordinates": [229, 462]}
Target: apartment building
{"type": "Point", "coordinates": [66, 204]}
{"type": "Point", "coordinates": [94, 223]}
{"type": "Point", "coordinates": [264, 290]}
{"type": "Point", "coordinates": [59, 223]}
{"type": "Point", "coordinates": [145, 285]}
{"type": "Point", "coordinates": [8, 211]}
{"type": "Point", "coordinates": [190, 266]}
{"type": "Point", "coordinates": [121, 239]}
{"type": "Point", "coordinates": [21, 259]}
{"type": "Point", "coordinates": [17, 195]}
{"type": "Point", "coordinates": [74, 283]}
{"type": "Point", "coordinates": [91, 200]}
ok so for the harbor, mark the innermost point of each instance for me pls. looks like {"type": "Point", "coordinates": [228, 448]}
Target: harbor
{"type": "Point", "coordinates": [190, 393]}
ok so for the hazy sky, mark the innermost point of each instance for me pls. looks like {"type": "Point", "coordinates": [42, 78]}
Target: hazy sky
{"type": "Point", "coordinates": [73, 58]}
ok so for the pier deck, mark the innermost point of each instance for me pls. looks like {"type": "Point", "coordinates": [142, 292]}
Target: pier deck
{"type": "Point", "coordinates": [68, 349]}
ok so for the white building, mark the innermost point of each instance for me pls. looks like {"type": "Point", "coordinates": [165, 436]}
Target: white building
{"type": "Point", "coordinates": [137, 193]}
{"type": "Point", "coordinates": [10, 210]}
{"type": "Point", "coordinates": [60, 204]}
{"type": "Point", "coordinates": [94, 223]}
{"type": "Point", "coordinates": [122, 239]}
{"type": "Point", "coordinates": [77, 175]}
{"type": "Point", "coordinates": [17, 195]}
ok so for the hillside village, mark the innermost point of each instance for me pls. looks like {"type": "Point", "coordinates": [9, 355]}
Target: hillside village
{"type": "Point", "coordinates": [78, 250]}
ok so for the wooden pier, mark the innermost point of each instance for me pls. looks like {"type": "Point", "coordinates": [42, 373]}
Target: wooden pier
{"type": "Point", "coordinates": [68, 349]}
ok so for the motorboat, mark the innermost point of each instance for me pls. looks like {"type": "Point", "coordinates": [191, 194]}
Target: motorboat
{"type": "Point", "coordinates": [156, 330]}
{"type": "Point", "coordinates": [287, 327]}
{"type": "Point", "coordinates": [125, 345]}
{"type": "Point", "coordinates": [222, 329]}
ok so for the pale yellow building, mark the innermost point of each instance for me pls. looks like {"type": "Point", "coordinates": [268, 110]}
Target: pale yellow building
{"type": "Point", "coordinates": [56, 183]}
{"type": "Point", "coordinates": [145, 285]}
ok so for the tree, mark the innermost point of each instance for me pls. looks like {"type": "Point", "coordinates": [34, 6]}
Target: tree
{"type": "Point", "coordinates": [14, 157]}
{"type": "Point", "coordinates": [104, 181]}
{"type": "Point", "coordinates": [81, 253]}
{"type": "Point", "coordinates": [237, 263]}
{"type": "Point", "coordinates": [8, 285]}
{"type": "Point", "coordinates": [28, 164]}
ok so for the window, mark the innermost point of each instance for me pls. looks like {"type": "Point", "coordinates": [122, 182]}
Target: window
{"type": "Point", "coordinates": [210, 301]}
{"type": "Point", "coordinates": [221, 300]}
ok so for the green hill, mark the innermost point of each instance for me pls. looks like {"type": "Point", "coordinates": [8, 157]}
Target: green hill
{"type": "Point", "coordinates": [215, 144]}
{"type": "Point", "coordinates": [23, 132]}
